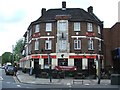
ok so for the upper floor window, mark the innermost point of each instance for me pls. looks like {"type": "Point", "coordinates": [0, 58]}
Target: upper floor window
{"type": "Point", "coordinates": [89, 27]}
{"type": "Point", "coordinates": [37, 28]}
{"type": "Point", "coordinates": [48, 26]}
{"type": "Point", "coordinates": [37, 45]}
{"type": "Point", "coordinates": [48, 44]}
{"type": "Point", "coordinates": [77, 26]}
{"type": "Point", "coordinates": [77, 44]}
{"type": "Point", "coordinates": [99, 30]}
{"type": "Point", "coordinates": [90, 45]}
{"type": "Point", "coordinates": [99, 45]}
{"type": "Point", "coordinates": [62, 25]}
{"type": "Point", "coordinates": [26, 50]}
{"type": "Point", "coordinates": [62, 45]}
{"type": "Point", "coordinates": [30, 48]}
{"type": "Point", "coordinates": [30, 32]}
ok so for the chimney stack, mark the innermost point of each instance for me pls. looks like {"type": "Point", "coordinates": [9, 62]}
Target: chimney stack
{"type": "Point", "coordinates": [119, 11]}
{"type": "Point", "coordinates": [43, 11]}
{"type": "Point", "coordinates": [63, 5]}
{"type": "Point", "coordinates": [90, 9]}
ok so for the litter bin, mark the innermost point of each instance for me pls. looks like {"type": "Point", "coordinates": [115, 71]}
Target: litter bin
{"type": "Point", "coordinates": [115, 79]}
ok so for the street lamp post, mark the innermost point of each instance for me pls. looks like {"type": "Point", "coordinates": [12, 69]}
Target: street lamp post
{"type": "Point", "coordinates": [99, 69]}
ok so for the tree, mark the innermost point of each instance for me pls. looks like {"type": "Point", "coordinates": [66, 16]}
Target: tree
{"type": "Point", "coordinates": [6, 57]}
{"type": "Point", "coordinates": [18, 48]}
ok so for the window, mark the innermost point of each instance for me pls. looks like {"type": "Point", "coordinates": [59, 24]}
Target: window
{"type": "Point", "coordinates": [48, 26]}
{"type": "Point", "coordinates": [62, 62]}
{"type": "Point", "coordinates": [90, 44]}
{"type": "Point", "coordinates": [37, 28]}
{"type": "Point", "coordinates": [62, 45]}
{"type": "Point", "coordinates": [63, 26]}
{"type": "Point", "coordinates": [37, 45]}
{"type": "Point", "coordinates": [30, 48]}
{"type": "Point", "coordinates": [89, 27]}
{"type": "Point", "coordinates": [26, 50]}
{"type": "Point", "coordinates": [99, 45]}
{"type": "Point", "coordinates": [46, 64]}
{"type": "Point", "coordinates": [48, 44]}
{"type": "Point", "coordinates": [77, 26]}
{"type": "Point", "coordinates": [99, 30]}
{"type": "Point", "coordinates": [30, 32]}
{"type": "Point", "coordinates": [77, 44]}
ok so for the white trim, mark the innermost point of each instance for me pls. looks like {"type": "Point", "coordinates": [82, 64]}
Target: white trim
{"type": "Point", "coordinates": [78, 36]}
{"type": "Point", "coordinates": [47, 37]}
{"type": "Point", "coordinates": [87, 37]}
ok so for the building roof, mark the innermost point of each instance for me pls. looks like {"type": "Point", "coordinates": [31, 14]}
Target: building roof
{"type": "Point", "coordinates": [75, 14]}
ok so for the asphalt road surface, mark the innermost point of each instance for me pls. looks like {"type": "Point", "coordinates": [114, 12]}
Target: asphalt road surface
{"type": "Point", "coordinates": [8, 82]}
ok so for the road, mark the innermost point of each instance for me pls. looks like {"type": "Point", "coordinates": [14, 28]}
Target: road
{"type": "Point", "coordinates": [11, 83]}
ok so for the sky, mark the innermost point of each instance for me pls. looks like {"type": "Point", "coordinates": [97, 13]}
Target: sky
{"type": "Point", "coordinates": [16, 16]}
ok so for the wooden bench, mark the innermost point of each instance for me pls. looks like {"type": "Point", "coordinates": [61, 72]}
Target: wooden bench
{"type": "Point", "coordinates": [77, 81]}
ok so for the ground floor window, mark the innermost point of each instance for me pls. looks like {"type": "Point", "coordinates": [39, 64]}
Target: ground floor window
{"type": "Point", "coordinates": [46, 64]}
{"type": "Point", "coordinates": [62, 62]}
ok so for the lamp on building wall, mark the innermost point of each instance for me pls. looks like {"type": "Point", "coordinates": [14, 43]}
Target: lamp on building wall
{"type": "Point", "coordinates": [62, 55]}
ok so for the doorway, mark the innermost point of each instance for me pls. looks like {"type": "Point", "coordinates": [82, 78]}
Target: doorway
{"type": "Point", "coordinates": [78, 64]}
{"type": "Point", "coordinates": [91, 67]}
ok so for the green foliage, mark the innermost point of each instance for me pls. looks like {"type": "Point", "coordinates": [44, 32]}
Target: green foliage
{"type": "Point", "coordinates": [6, 57]}
{"type": "Point", "coordinates": [15, 56]}
{"type": "Point", "coordinates": [18, 48]}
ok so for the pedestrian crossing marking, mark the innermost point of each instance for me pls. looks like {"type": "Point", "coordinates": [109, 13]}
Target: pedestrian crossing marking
{"type": "Point", "coordinates": [18, 86]}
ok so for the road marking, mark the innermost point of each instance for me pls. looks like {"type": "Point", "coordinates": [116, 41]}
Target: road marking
{"type": "Point", "coordinates": [87, 84]}
{"type": "Point", "coordinates": [16, 80]}
{"type": "Point", "coordinates": [1, 78]}
{"type": "Point", "coordinates": [8, 82]}
{"type": "Point", "coordinates": [18, 86]}
{"type": "Point", "coordinates": [68, 83]}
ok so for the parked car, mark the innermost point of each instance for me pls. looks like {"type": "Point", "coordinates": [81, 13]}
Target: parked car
{"type": "Point", "coordinates": [9, 70]}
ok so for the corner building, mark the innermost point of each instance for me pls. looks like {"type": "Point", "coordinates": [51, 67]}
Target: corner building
{"type": "Point", "coordinates": [72, 37]}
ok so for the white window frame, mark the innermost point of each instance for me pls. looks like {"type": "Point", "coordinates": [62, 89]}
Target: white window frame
{"type": "Point", "coordinates": [48, 27]}
{"type": "Point", "coordinates": [48, 44]}
{"type": "Point", "coordinates": [77, 44]}
{"type": "Point", "coordinates": [37, 28]}
{"type": "Point", "coordinates": [90, 45]}
{"type": "Point", "coordinates": [37, 45]}
{"type": "Point", "coordinates": [99, 30]}
{"type": "Point", "coordinates": [89, 27]}
{"type": "Point", "coordinates": [76, 26]}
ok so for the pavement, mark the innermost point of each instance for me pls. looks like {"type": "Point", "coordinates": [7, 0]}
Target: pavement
{"type": "Point", "coordinates": [27, 79]}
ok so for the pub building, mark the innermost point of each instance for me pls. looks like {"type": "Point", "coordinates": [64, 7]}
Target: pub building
{"type": "Point", "coordinates": [67, 39]}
